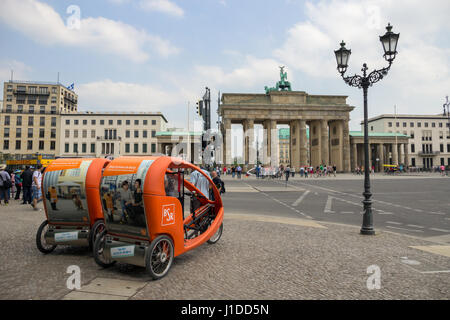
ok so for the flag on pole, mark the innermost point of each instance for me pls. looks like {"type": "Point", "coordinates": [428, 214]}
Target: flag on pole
{"type": "Point", "coordinates": [71, 87]}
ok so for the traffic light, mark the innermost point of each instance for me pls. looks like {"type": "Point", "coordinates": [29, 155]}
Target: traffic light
{"type": "Point", "coordinates": [200, 107]}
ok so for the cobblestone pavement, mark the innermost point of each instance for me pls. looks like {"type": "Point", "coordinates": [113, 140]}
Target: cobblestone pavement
{"type": "Point", "coordinates": [256, 258]}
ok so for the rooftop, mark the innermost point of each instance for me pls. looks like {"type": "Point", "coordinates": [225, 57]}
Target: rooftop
{"type": "Point", "coordinates": [407, 116]}
{"type": "Point", "coordinates": [377, 134]}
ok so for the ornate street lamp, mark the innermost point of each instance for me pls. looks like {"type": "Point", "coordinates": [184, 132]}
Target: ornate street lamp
{"type": "Point", "coordinates": [389, 42]}
{"type": "Point", "coordinates": [447, 104]}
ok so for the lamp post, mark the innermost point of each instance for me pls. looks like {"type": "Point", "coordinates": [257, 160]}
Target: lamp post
{"type": "Point", "coordinates": [447, 105]}
{"type": "Point", "coordinates": [389, 41]}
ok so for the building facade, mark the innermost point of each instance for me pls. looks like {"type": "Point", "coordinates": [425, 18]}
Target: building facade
{"type": "Point", "coordinates": [30, 118]}
{"type": "Point", "coordinates": [100, 134]}
{"type": "Point", "coordinates": [283, 146]}
{"type": "Point", "coordinates": [429, 142]}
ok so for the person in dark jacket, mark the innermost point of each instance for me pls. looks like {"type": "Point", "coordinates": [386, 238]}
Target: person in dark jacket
{"type": "Point", "coordinates": [27, 180]}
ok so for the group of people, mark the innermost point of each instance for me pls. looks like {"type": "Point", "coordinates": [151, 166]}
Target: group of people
{"type": "Point", "coordinates": [234, 171]}
{"type": "Point", "coordinates": [28, 182]}
{"type": "Point", "coordinates": [288, 171]}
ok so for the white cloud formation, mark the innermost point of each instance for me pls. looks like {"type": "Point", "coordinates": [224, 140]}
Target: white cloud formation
{"type": "Point", "coordinates": [164, 6]}
{"type": "Point", "coordinates": [43, 24]}
{"type": "Point", "coordinates": [21, 71]}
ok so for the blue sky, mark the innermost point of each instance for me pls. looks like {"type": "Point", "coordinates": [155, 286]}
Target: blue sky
{"type": "Point", "coordinates": [158, 55]}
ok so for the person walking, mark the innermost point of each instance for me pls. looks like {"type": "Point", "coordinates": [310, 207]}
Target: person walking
{"type": "Point", "coordinates": [233, 171]}
{"type": "Point", "coordinates": [239, 171]}
{"type": "Point", "coordinates": [5, 184]}
{"type": "Point", "coordinates": [287, 173]}
{"type": "Point", "coordinates": [27, 181]}
{"type": "Point", "coordinates": [334, 170]}
{"type": "Point", "coordinates": [293, 171]}
{"type": "Point", "coordinates": [18, 182]}
{"type": "Point", "coordinates": [36, 187]}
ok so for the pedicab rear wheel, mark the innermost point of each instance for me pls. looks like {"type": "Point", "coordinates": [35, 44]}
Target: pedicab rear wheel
{"type": "Point", "coordinates": [40, 239]}
{"type": "Point", "coordinates": [217, 235]}
{"type": "Point", "coordinates": [96, 229]}
{"type": "Point", "coordinates": [159, 257]}
{"type": "Point", "coordinates": [99, 246]}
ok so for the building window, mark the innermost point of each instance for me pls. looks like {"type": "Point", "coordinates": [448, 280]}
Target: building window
{"type": "Point", "coordinates": [92, 147]}
{"type": "Point", "coordinates": [30, 121]}
{"type": "Point", "coordinates": [413, 149]}
{"type": "Point", "coordinates": [31, 109]}
{"type": "Point", "coordinates": [440, 124]}
{"type": "Point", "coordinates": [419, 124]}
{"type": "Point", "coordinates": [136, 133]}
{"type": "Point", "coordinates": [30, 145]}
{"type": "Point", "coordinates": [66, 148]}
{"type": "Point", "coordinates": [127, 148]}
{"type": "Point", "coordinates": [404, 124]}
{"type": "Point", "coordinates": [127, 133]}
{"type": "Point", "coordinates": [136, 122]}
{"type": "Point", "coordinates": [153, 122]}
{"type": "Point", "coordinates": [41, 132]}
{"type": "Point", "coordinates": [18, 132]}
{"type": "Point", "coordinates": [84, 133]}
{"type": "Point", "coordinates": [153, 133]}
{"type": "Point", "coordinates": [397, 124]}
{"type": "Point", "coordinates": [93, 121]}
{"type": "Point", "coordinates": [153, 148]}
{"type": "Point", "coordinates": [448, 147]}
{"type": "Point", "coordinates": [441, 147]}
{"type": "Point", "coordinates": [144, 122]}
{"type": "Point", "coordinates": [119, 122]}
{"type": "Point", "coordinates": [83, 148]}
{"type": "Point", "coordinates": [6, 145]}
{"type": "Point", "coordinates": [84, 122]}
{"type": "Point", "coordinates": [102, 122]}
{"type": "Point", "coordinates": [53, 133]}
{"type": "Point", "coordinates": [6, 133]}
{"type": "Point", "coordinates": [433, 125]}
{"type": "Point", "coordinates": [75, 147]}
{"type": "Point", "coordinates": [389, 124]}
{"type": "Point", "coordinates": [144, 148]}
{"type": "Point", "coordinates": [30, 132]}
{"type": "Point", "coordinates": [67, 122]}
{"type": "Point", "coordinates": [92, 133]}
{"type": "Point", "coordinates": [41, 145]}
{"type": "Point", "coordinates": [53, 110]}
{"type": "Point", "coordinates": [144, 134]}
{"type": "Point", "coordinates": [18, 145]}
{"type": "Point", "coordinates": [20, 109]}
{"type": "Point", "coordinates": [136, 148]}
{"type": "Point", "coordinates": [127, 122]}
{"type": "Point", "coordinates": [53, 123]}
{"type": "Point", "coordinates": [42, 121]}
{"type": "Point", "coordinates": [75, 133]}
{"type": "Point", "coordinates": [52, 145]}
{"type": "Point", "coordinates": [7, 120]}
{"type": "Point", "coordinates": [42, 109]}
{"type": "Point", "coordinates": [412, 134]}
{"type": "Point", "coordinates": [19, 121]}
{"type": "Point", "coordinates": [67, 133]}
{"type": "Point", "coordinates": [75, 122]}
{"type": "Point", "coordinates": [334, 129]}
{"type": "Point", "coordinates": [426, 124]}
{"type": "Point", "coordinates": [413, 162]}
{"type": "Point", "coordinates": [110, 122]}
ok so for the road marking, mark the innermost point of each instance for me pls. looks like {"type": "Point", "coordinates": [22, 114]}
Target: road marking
{"type": "Point", "coordinates": [440, 213]}
{"type": "Point", "coordinates": [393, 222]}
{"type": "Point", "coordinates": [440, 230]}
{"type": "Point", "coordinates": [440, 271]}
{"type": "Point", "coordinates": [297, 202]}
{"type": "Point", "coordinates": [397, 228]}
{"type": "Point", "coordinates": [346, 211]}
{"type": "Point", "coordinates": [418, 210]}
{"type": "Point", "coordinates": [437, 249]}
{"type": "Point", "coordinates": [415, 226]}
{"type": "Point", "coordinates": [383, 212]}
{"type": "Point", "coordinates": [328, 205]}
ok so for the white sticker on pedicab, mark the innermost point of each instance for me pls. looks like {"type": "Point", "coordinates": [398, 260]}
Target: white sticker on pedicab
{"type": "Point", "coordinates": [122, 252]}
{"type": "Point", "coordinates": [66, 236]}
{"type": "Point", "coordinates": [168, 214]}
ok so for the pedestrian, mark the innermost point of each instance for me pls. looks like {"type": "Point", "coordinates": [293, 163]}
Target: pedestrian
{"type": "Point", "coordinates": [18, 182]}
{"type": "Point", "coordinates": [27, 181]}
{"type": "Point", "coordinates": [218, 183]}
{"type": "Point", "coordinates": [293, 171]}
{"type": "Point", "coordinates": [334, 170]}
{"type": "Point", "coordinates": [5, 184]}
{"type": "Point", "coordinates": [287, 173]}
{"type": "Point", "coordinates": [239, 171]}
{"type": "Point", "coordinates": [258, 171]}
{"type": "Point", "coordinates": [233, 171]}
{"type": "Point", "coordinates": [36, 187]}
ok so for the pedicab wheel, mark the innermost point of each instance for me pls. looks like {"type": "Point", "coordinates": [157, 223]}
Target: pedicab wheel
{"type": "Point", "coordinates": [41, 244]}
{"type": "Point", "coordinates": [96, 229]}
{"type": "Point", "coordinates": [159, 257]}
{"type": "Point", "coordinates": [99, 245]}
{"type": "Point", "coordinates": [216, 236]}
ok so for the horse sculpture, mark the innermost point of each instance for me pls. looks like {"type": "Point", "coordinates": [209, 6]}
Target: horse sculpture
{"type": "Point", "coordinates": [282, 85]}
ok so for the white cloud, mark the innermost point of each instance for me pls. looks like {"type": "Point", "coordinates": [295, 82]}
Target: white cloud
{"type": "Point", "coordinates": [43, 24]}
{"type": "Point", "coordinates": [164, 6]}
{"type": "Point", "coordinates": [20, 70]}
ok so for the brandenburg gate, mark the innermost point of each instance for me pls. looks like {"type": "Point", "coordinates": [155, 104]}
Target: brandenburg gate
{"type": "Point", "coordinates": [327, 117]}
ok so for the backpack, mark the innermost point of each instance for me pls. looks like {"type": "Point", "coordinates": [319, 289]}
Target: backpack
{"type": "Point", "coordinates": [6, 183]}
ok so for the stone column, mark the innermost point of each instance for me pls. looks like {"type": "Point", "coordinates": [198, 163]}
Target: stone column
{"type": "Point", "coordinates": [324, 142]}
{"type": "Point", "coordinates": [394, 154]}
{"type": "Point", "coordinates": [249, 139]}
{"type": "Point", "coordinates": [405, 149]}
{"type": "Point", "coordinates": [303, 143]}
{"type": "Point", "coordinates": [294, 137]}
{"type": "Point", "coordinates": [267, 124]}
{"type": "Point", "coordinates": [400, 153]}
{"type": "Point", "coordinates": [381, 156]}
{"type": "Point", "coordinates": [274, 152]}
{"type": "Point", "coordinates": [346, 146]}
{"type": "Point", "coordinates": [355, 157]}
